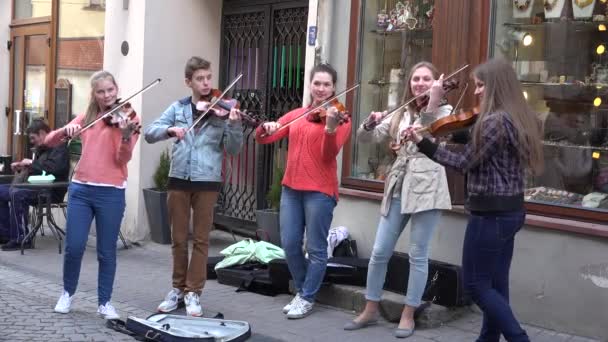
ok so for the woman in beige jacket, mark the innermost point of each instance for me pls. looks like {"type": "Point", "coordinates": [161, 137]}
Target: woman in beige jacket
{"type": "Point", "coordinates": [415, 187]}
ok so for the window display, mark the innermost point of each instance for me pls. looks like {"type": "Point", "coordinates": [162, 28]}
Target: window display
{"type": "Point", "coordinates": [558, 48]}
{"type": "Point", "coordinates": [395, 35]}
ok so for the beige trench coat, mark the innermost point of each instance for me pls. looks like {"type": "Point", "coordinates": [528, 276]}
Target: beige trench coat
{"type": "Point", "coordinates": [424, 185]}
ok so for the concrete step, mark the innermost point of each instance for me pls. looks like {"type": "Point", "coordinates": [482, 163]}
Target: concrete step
{"type": "Point", "coordinates": [352, 298]}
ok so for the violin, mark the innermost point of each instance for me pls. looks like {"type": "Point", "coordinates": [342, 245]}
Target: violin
{"type": "Point", "coordinates": [320, 113]}
{"type": "Point", "coordinates": [446, 125]}
{"type": "Point", "coordinates": [126, 113]}
{"type": "Point", "coordinates": [223, 107]}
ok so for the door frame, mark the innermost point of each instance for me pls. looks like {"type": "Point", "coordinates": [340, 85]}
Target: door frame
{"type": "Point", "coordinates": [39, 26]}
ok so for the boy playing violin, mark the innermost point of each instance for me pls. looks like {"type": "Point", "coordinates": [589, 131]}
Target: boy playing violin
{"type": "Point", "coordinates": [194, 180]}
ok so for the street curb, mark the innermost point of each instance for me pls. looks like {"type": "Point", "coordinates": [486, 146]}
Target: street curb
{"type": "Point", "coordinates": [352, 298]}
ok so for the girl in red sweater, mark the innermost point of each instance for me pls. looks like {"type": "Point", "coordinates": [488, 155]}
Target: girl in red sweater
{"type": "Point", "coordinates": [310, 187]}
{"type": "Point", "coordinates": [97, 190]}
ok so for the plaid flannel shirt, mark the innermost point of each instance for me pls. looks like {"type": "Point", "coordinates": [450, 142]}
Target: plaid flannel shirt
{"type": "Point", "coordinates": [495, 175]}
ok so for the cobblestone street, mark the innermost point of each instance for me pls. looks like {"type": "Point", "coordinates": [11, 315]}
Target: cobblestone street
{"type": "Point", "coordinates": [30, 285]}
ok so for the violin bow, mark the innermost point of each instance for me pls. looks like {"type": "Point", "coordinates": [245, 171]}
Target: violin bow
{"type": "Point", "coordinates": [421, 94]}
{"type": "Point", "coordinates": [464, 90]}
{"type": "Point", "coordinates": [152, 84]}
{"type": "Point", "coordinates": [214, 102]}
{"type": "Point", "coordinates": [315, 108]}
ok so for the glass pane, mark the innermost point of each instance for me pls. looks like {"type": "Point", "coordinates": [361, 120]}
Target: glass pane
{"type": "Point", "coordinates": [80, 47]}
{"type": "Point", "coordinates": [32, 8]}
{"type": "Point", "coordinates": [34, 94]}
{"type": "Point", "coordinates": [395, 36]}
{"type": "Point", "coordinates": [558, 53]}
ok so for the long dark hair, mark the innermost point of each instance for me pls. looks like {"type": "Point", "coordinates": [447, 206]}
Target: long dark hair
{"type": "Point", "coordinates": [503, 93]}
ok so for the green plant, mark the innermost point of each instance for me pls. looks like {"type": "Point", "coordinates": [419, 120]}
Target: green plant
{"type": "Point", "coordinates": [161, 175]}
{"type": "Point", "coordinates": [274, 194]}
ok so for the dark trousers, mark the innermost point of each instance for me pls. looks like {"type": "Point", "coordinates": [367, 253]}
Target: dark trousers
{"type": "Point", "coordinates": [14, 205]}
{"type": "Point", "coordinates": [486, 260]}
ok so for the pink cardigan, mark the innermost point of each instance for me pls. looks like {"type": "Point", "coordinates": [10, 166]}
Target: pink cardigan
{"type": "Point", "coordinates": [104, 156]}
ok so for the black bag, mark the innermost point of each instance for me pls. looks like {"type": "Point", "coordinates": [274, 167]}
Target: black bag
{"type": "Point", "coordinates": [252, 277]}
{"type": "Point", "coordinates": [346, 271]}
{"type": "Point", "coordinates": [346, 248]}
{"type": "Point", "coordinates": [174, 328]}
{"type": "Point", "coordinates": [444, 284]}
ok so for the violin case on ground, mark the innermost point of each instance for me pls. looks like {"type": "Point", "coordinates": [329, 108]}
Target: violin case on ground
{"type": "Point", "coordinates": [174, 328]}
{"type": "Point", "coordinates": [340, 270]}
{"type": "Point", "coordinates": [444, 285]}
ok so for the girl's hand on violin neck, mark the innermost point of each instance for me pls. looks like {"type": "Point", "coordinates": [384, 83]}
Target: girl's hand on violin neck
{"type": "Point", "coordinates": [411, 134]}
{"type": "Point", "coordinates": [271, 127]}
{"type": "Point", "coordinates": [71, 130]}
{"type": "Point", "coordinates": [234, 115]}
{"type": "Point", "coordinates": [331, 120]}
{"type": "Point", "coordinates": [177, 132]}
{"type": "Point", "coordinates": [127, 127]}
{"type": "Point", "coordinates": [436, 93]}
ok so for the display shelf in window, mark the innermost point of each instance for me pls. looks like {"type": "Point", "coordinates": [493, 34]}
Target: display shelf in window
{"type": "Point", "coordinates": [562, 64]}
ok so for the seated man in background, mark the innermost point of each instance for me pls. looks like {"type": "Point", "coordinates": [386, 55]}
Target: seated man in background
{"type": "Point", "coordinates": [14, 202]}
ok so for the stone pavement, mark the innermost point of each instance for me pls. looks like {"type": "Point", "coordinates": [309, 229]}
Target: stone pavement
{"type": "Point", "coordinates": [30, 285]}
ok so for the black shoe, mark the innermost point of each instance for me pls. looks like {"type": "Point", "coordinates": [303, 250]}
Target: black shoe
{"type": "Point", "coordinates": [4, 240]}
{"type": "Point", "coordinates": [15, 246]}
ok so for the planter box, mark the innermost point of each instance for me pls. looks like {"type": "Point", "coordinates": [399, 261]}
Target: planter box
{"type": "Point", "coordinates": [158, 217]}
{"type": "Point", "coordinates": [268, 220]}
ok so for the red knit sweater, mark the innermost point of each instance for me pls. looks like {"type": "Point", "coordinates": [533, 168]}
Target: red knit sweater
{"type": "Point", "coordinates": [311, 154]}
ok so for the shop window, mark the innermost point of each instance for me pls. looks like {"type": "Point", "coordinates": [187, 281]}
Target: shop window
{"type": "Point", "coordinates": [23, 9]}
{"type": "Point", "coordinates": [394, 35]}
{"type": "Point", "coordinates": [80, 45]}
{"type": "Point", "coordinates": [558, 49]}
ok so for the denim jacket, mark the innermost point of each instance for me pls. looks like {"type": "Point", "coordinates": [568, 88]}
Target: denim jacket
{"type": "Point", "coordinates": [198, 157]}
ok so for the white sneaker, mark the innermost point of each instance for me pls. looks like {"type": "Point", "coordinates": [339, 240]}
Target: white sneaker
{"type": "Point", "coordinates": [172, 300]}
{"type": "Point", "coordinates": [287, 307]}
{"type": "Point", "coordinates": [107, 311]}
{"type": "Point", "coordinates": [64, 303]}
{"type": "Point", "coordinates": [193, 305]}
{"type": "Point", "coordinates": [300, 308]}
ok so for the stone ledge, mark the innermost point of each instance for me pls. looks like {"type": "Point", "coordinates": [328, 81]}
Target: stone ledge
{"type": "Point", "coordinates": [352, 298]}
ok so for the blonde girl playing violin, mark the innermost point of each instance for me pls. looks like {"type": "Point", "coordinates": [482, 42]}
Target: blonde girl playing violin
{"type": "Point", "coordinates": [310, 187]}
{"type": "Point", "coordinates": [416, 188]}
{"type": "Point", "coordinates": [97, 190]}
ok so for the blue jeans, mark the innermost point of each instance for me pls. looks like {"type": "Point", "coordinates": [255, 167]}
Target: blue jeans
{"type": "Point", "coordinates": [389, 229]}
{"type": "Point", "coordinates": [14, 204]}
{"type": "Point", "coordinates": [107, 205]}
{"type": "Point", "coordinates": [313, 210]}
{"type": "Point", "coordinates": [486, 260]}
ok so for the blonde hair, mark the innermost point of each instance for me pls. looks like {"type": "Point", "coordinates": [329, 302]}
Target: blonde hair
{"type": "Point", "coordinates": [503, 93]}
{"type": "Point", "coordinates": [408, 94]}
{"type": "Point", "coordinates": [93, 108]}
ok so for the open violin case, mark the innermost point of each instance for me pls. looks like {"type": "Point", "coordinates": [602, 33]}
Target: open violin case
{"type": "Point", "coordinates": [175, 328]}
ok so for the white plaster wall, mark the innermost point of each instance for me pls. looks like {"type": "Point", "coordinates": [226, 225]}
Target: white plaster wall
{"type": "Point", "coordinates": [128, 25]}
{"type": "Point", "coordinates": [5, 20]}
{"type": "Point", "coordinates": [174, 32]}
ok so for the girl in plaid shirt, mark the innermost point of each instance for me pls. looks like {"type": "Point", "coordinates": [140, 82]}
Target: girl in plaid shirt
{"type": "Point", "coordinates": [506, 142]}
